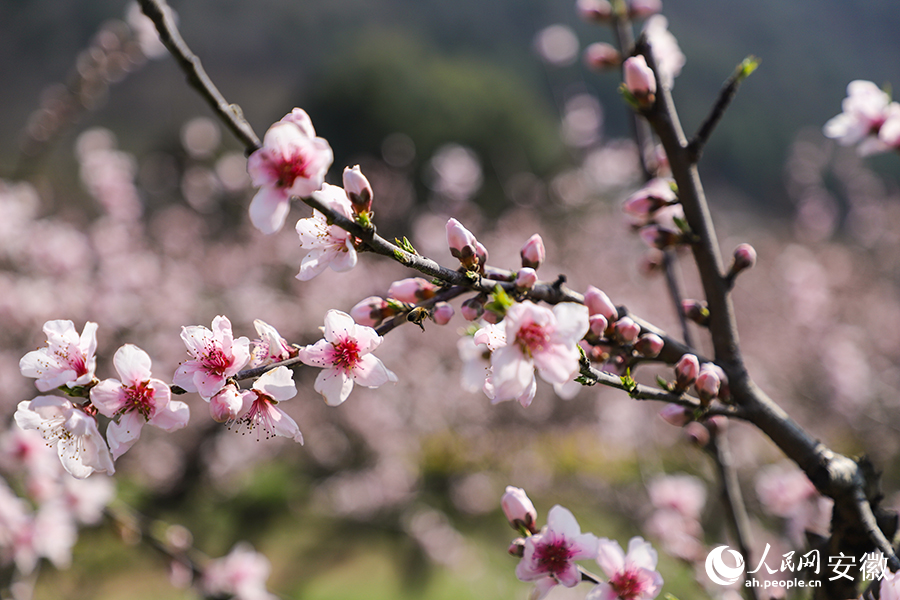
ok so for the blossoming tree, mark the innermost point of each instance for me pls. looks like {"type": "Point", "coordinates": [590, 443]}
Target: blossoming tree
{"type": "Point", "coordinates": [517, 328]}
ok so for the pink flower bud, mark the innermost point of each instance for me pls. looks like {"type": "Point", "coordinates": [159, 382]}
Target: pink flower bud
{"type": "Point", "coordinates": [472, 309]}
{"type": "Point", "coordinates": [600, 56]}
{"type": "Point", "coordinates": [463, 244]}
{"type": "Point", "coordinates": [676, 415]}
{"type": "Point", "coordinates": [442, 313]}
{"type": "Point", "coordinates": [533, 252]}
{"type": "Point", "coordinates": [517, 547]}
{"type": "Point", "coordinates": [599, 303]}
{"type": "Point", "coordinates": [640, 81]}
{"type": "Point", "coordinates": [744, 258]}
{"type": "Point", "coordinates": [491, 317]}
{"type": "Point", "coordinates": [358, 189]}
{"type": "Point", "coordinates": [697, 433]}
{"type": "Point", "coordinates": [519, 510]}
{"type": "Point", "coordinates": [412, 290]}
{"type": "Point", "coordinates": [225, 405]}
{"type": "Point", "coordinates": [641, 9]}
{"type": "Point", "coordinates": [707, 384]}
{"type": "Point", "coordinates": [654, 195]}
{"type": "Point", "coordinates": [598, 325]}
{"type": "Point", "coordinates": [696, 311]}
{"type": "Point", "coordinates": [371, 311]}
{"type": "Point", "coordinates": [627, 330]}
{"type": "Point", "coordinates": [595, 11]}
{"type": "Point", "coordinates": [686, 371]}
{"type": "Point", "coordinates": [649, 344]}
{"type": "Point", "coordinates": [659, 237]}
{"type": "Point", "coordinates": [526, 278]}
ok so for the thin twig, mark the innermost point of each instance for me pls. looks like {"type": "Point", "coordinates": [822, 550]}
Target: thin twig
{"type": "Point", "coordinates": [230, 114]}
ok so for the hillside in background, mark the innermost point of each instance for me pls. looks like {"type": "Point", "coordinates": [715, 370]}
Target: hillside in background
{"type": "Point", "coordinates": [467, 60]}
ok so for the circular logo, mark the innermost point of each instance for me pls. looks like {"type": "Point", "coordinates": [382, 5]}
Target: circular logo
{"type": "Point", "coordinates": [721, 573]}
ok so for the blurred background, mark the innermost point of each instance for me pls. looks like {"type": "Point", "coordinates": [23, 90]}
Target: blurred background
{"type": "Point", "coordinates": [125, 204]}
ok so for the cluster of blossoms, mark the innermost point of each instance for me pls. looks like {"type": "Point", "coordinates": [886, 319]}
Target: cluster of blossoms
{"type": "Point", "coordinates": [869, 120]}
{"type": "Point", "coordinates": [548, 555]}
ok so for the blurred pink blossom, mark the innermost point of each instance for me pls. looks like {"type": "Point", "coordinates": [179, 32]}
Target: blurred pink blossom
{"type": "Point", "coordinates": [631, 576]}
{"type": "Point", "coordinates": [553, 551]}
{"type": "Point", "coordinates": [242, 574]}
{"type": "Point", "coordinates": [864, 111]}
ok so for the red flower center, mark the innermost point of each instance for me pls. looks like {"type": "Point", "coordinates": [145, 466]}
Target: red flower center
{"type": "Point", "coordinates": [532, 338]}
{"type": "Point", "coordinates": [553, 557]}
{"type": "Point", "coordinates": [290, 168]}
{"type": "Point", "coordinates": [139, 398]}
{"type": "Point", "coordinates": [346, 354]}
{"type": "Point", "coordinates": [215, 361]}
{"type": "Point", "coordinates": [627, 584]}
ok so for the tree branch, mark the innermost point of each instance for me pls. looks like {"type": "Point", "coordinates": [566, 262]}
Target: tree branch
{"type": "Point", "coordinates": [230, 114]}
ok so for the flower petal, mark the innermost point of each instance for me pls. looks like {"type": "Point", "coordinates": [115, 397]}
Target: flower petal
{"type": "Point", "coordinates": [334, 385]}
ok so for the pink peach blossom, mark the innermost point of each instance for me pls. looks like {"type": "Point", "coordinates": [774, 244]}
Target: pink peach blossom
{"type": "Point", "coordinates": [553, 551]}
{"type": "Point", "coordinates": [68, 359]}
{"type": "Point", "coordinates": [864, 111]}
{"type": "Point", "coordinates": [291, 162]}
{"type": "Point", "coordinates": [135, 400]}
{"type": "Point", "coordinates": [327, 245]}
{"type": "Point", "coordinates": [216, 357]}
{"type": "Point", "coordinates": [260, 411]}
{"type": "Point", "coordinates": [73, 432]}
{"type": "Point", "coordinates": [632, 576]}
{"type": "Point", "coordinates": [345, 355]}
{"type": "Point", "coordinates": [270, 347]}
{"type": "Point", "coordinates": [241, 575]}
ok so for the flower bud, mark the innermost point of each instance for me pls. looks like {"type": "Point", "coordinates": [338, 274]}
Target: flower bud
{"type": "Point", "coordinates": [595, 11]}
{"type": "Point", "coordinates": [697, 433]}
{"type": "Point", "coordinates": [526, 278]}
{"type": "Point", "coordinates": [225, 405]}
{"type": "Point", "coordinates": [640, 80]}
{"type": "Point", "coordinates": [696, 311]}
{"type": "Point", "coordinates": [412, 290]}
{"type": "Point", "coordinates": [649, 345]}
{"type": "Point", "coordinates": [463, 244]}
{"type": "Point", "coordinates": [641, 9]}
{"type": "Point", "coordinates": [686, 371]}
{"type": "Point", "coordinates": [651, 197]}
{"type": "Point", "coordinates": [744, 258]}
{"type": "Point", "coordinates": [472, 309]}
{"type": "Point", "coordinates": [707, 384]}
{"type": "Point", "coordinates": [717, 423]}
{"type": "Point", "coordinates": [442, 313]}
{"type": "Point", "coordinates": [533, 252]}
{"type": "Point", "coordinates": [599, 303]}
{"type": "Point", "coordinates": [358, 190]}
{"type": "Point", "coordinates": [371, 311]}
{"type": "Point", "coordinates": [659, 237]}
{"type": "Point", "coordinates": [598, 324]}
{"type": "Point", "coordinates": [517, 547]}
{"type": "Point", "coordinates": [518, 508]}
{"type": "Point", "coordinates": [627, 330]}
{"type": "Point", "coordinates": [676, 415]}
{"type": "Point", "coordinates": [600, 56]}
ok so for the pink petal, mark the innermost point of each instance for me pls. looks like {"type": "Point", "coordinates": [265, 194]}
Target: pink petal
{"type": "Point", "coordinates": [269, 209]}
{"type": "Point", "coordinates": [320, 354]}
{"type": "Point", "coordinates": [602, 591]}
{"type": "Point", "coordinates": [334, 385]}
{"type": "Point", "coordinates": [571, 322]}
{"type": "Point", "coordinates": [278, 384]}
{"type": "Point", "coordinates": [173, 416]}
{"type": "Point", "coordinates": [610, 557]}
{"type": "Point", "coordinates": [314, 263]}
{"type": "Point", "coordinates": [132, 364]}
{"type": "Point", "coordinates": [344, 258]}
{"type": "Point", "coordinates": [284, 425]}
{"type": "Point", "coordinates": [196, 338]}
{"type": "Point", "coordinates": [338, 325]}
{"type": "Point", "coordinates": [512, 373]}
{"type": "Point", "coordinates": [557, 363]}
{"type": "Point", "coordinates": [108, 396]}
{"type": "Point", "coordinates": [184, 375]}
{"type": "Point", "coordinates": [207, 384]}
{"type": "Point", "coordinates": [122, 435]}
{"type": "Point", "coordinates": [561, 521]}
{"type": "Point", "coordinates": [371, 372]}
{"type": "Point", "coordinates": [641, 554]}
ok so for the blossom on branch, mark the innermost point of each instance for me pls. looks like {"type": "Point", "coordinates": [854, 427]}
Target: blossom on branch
{"type": "Point", "coordinates": [345, 355]}
{"type": "Point", "coordinates": [270, 347]}
{"type": "Point", "coordinates": [135, 400]}
{"type": "Point", "coordinates": [536, 337]}
{"type": "Point", "coordinates": [328, 245]}
{"type": "Point", "coordinates": [68, 359]}
{"type": "Point", "coordinates": [241, 575]}
{"type": "Point", "coordinates": [259, 408]}
{"type": "Point", "coordinates": [71, 430]}
{"type": "Point", "coordinates": [865, 109]}
{"type": "Point", "coordinates": [291, 162]}
{"type": "Point", "coordinates": [216, 357]}
{"type": "Point", "coordinates": [632, 576]}
{"type": "Point", "coordinates": [552, 552]}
